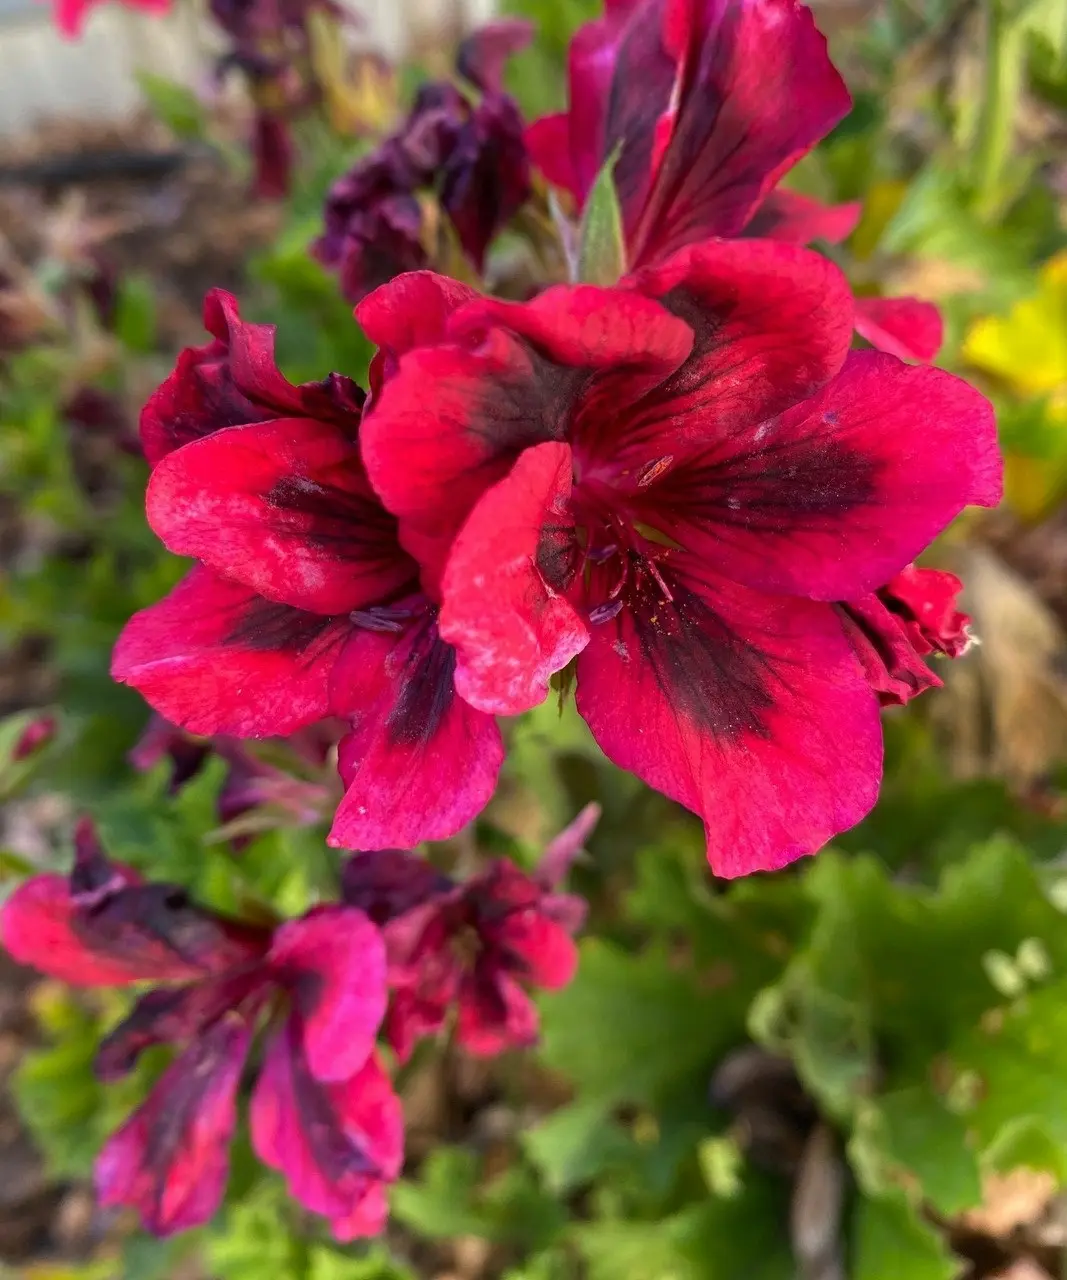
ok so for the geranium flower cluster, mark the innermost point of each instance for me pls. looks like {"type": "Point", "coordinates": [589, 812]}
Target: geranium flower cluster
{"type": "Point", "coordinates": [676, 488]}
{"type": "Point", "coordinates": [406, 945]}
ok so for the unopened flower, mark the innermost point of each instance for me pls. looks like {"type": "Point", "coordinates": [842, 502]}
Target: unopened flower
{"type": "Point", "coordinates": [322, 1111]}
{"type": "Point", "coordinates": [36, 735]}
{"type": "Point", "coordinates": [710, 105]}
{"type": "Point", "coordinates": [673, 481]}
{"type": "Point", "coordinates": [895, 628]}
{"type": "Point", "coordinates": [304, 603]}
{"type": "Point", "coordinates": [272, 154]}
{"type": "Point", "coordinates": [470, 155]}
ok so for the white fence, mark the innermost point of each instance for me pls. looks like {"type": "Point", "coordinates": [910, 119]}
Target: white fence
{"type": "Point", "coordinates": [42, 74]}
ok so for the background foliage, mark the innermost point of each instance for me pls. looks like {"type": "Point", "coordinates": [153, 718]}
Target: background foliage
{"type": "Point", "coordinates": [857, 1067]}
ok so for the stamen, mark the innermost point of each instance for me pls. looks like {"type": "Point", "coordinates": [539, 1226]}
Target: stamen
{"type": "Point", "coordinates": [388, 620]}
{"type": "Point", "coordinates": [654, 571]}
{"type": "Point", "coordinates": [623, 578]}
{"type": "Point", "coordinates": [654, 470]}
{"type": "Point", "coordinates": [605, 612]}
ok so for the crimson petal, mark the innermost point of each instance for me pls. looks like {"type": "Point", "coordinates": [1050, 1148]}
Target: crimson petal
{"type": "Point", "coordinates": [503, 609]}
{"type": "Point", "coordinates": [215, 657]}
{"type": "Point", "coordinates": [771, 322]}
{"type": "Point", "coordinates": [903, 327]}
{"type": "Point", "coordinates": [285, 508]}
{"type": "Point", "coordinates": [755, 91]}
{"type": "Point", "coordinates": [419, 763]}
{"type": "Point", "coordinates": [170, 1159]}
{"type": "Point", "coordinates": [788, 215]}
{"type": "Point", "coordinates": [335, 1144]}
{"type": "Point", "coordinates": [333, 959]}
{"type": "Point", "coordinates": [509, 378]}
{"type": "Point", "coordinates": [833, 497]}
{"type": "Point", "coordinates": [754, 714]}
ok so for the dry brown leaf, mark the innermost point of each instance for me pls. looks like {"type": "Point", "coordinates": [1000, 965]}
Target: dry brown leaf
{"type": "Point", "coordinates": [1004, 709]}
{"type": "Point", "coordinates": [818, 1203]}
{"type": "Point", "coordinates": [1011, 1200]}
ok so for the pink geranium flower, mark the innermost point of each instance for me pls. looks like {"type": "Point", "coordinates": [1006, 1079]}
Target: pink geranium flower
{"type": "Point", "coordinates": [711, 103]}
{"type": "Point", "coordinates": [471, 948]}
{"type": "Point", "coordinates": [675, 481]}
{"type": "Point", "coordinates": [303, 604]}
{"type": "Point", "coordinates": [323, 1111]}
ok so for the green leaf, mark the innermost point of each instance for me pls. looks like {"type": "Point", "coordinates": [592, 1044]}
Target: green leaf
{"type": "Point", "coordinates": [135, 314]}
{"type": "Point", "coordinates": [717, 1240]}
{"type": "Point", "coordinates": [575, 1144]}
{"type": "Point", "coordinates": [177, 106]}
{"type": "Point", "coordinates": [917, 1141]}
{"type": "Point", "coordinates": [632, 1028]}
{"type": "Point", "coordinates": [448, 1201]}
{"type": "Point", "coordinates": [255, 1238]}
{"type": "Point", "coordinates": [374, 1263]}
{"type": "Point", "coordinates": [601, 244]}
{"type": "Point", "coordinates": [891, 1241]}
{"type": "Point", "coordinates": [1017, 1059]}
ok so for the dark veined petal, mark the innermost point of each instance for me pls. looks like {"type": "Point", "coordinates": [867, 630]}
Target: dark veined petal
{"type": "Point", "coordinates": [754, 713]}
{"type": "Point", "coordinates": [755, 91]}
{"type": "Point", "coordinates": [771, 322]}
{"type": "Point", "coordinates": [333, 961]}
{"type": "Point", "coordinates": [419, 762]}
{"type": "Point", "coordinates": [336, 1145]}
{"type": "Point", "coordinates": [285, 508]}
{"type": "Point", "coordinates": [509, 376]}
{"type": "Point", "coordinates": [170, 1159]}
{"type": "Point", "coordinates": [833, 497]}
{"type": "Point", "coordinates": [388, 883]}
{"type": "Point", "coordinates": [215, 657]}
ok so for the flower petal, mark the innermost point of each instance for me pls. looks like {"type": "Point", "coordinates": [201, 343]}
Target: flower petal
{"type": "Point", "coordinates": [508, 378]}
{"type": "Point", "coordinates": [495, 1015]}
{"type": "Point", "coordinates": [335, 1144]}
{"type": "Point", "coordinates": [483, 55]}
{"type": "Point", "coordinates": [788, 215]}
{"type": "Point", "coordinates": [36, 928]}
{"type": "Point", "coordinates": [419, 762]}
{"type": "Point", "coordinates": [548, 142]}
{"type": "Point", "coordinates": [333, 959]}
{"type": "Point", "coordinates": [503, 607]}
{"type": "Point", "coordinates": [215, 657]}
{"type": "Point", "coordinates": [772, 324]}
{"type": "Point", "coordinates": [754, 713]}
{"type": "Point", "coordinates": [913, 615]}
{"type": "Point", "coordinates": [755, 91]}
{"type": "Point", "coordinates": [169, 1161]}
{"type": "Point", "coordinates": [411, 310]}
{"type": "Point", "coordinates": [120, 932]}
{"type": "Point", "coordinates": [387, 883]}
{"type": "Point", "coordinates": [285, 508]}
{"type": "Point", "coordinates": [174, 1016]}
{"type": "Point", "coordinates": [833, 497]}
{"type": "Point", "coordinates": [903, 327]}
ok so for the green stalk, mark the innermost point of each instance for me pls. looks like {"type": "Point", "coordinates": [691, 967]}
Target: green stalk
{"type": "Point", "coordinates": [1004, 62]}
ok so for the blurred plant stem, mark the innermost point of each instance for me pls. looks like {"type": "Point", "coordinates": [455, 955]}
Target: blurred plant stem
{"type": "Point", "coordinates": [1005, 53]}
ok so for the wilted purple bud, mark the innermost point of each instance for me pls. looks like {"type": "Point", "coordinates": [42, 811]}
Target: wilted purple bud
{"type": "Point", "coordinates": [37, 734]}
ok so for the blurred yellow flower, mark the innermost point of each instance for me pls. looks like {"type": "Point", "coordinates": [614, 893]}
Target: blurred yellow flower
{"type": "Point", "coordinates": [1028, 347]}
{"type": "Point", "coordinates": [1026, 351]}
